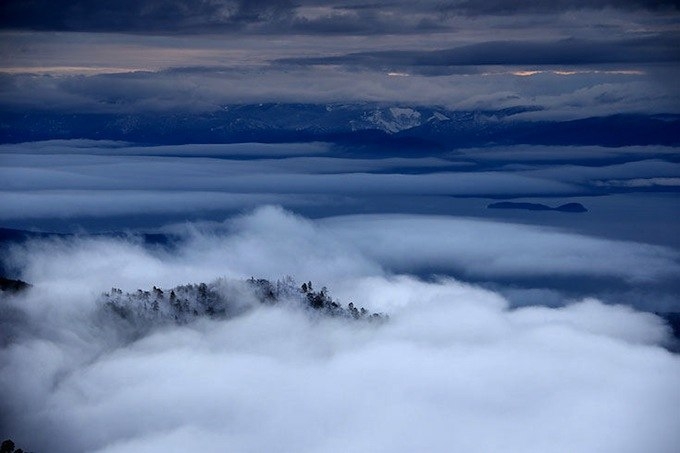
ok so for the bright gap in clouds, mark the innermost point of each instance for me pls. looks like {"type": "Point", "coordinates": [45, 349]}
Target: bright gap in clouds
{"type": "Point", "coordinates": [453, 369]}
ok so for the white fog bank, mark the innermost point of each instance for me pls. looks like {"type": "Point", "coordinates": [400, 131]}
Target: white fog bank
{"type": "Point", "coordinates": [454, 368]}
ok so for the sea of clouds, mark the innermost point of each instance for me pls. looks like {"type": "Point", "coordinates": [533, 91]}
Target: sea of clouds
{"type": "Point", "coordinates": [455, 368]}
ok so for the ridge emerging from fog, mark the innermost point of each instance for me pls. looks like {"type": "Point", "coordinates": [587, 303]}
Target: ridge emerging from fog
{"type": "Point", "coordinates": [222, 299]}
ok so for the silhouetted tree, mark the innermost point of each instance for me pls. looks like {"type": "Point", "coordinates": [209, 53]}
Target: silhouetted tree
{"type": "Point", "coordinates": [189, 301]}
{"type": "Point", "coordinates": [203, 292]}
{"type": "Point", "coordinates": [7, 446]}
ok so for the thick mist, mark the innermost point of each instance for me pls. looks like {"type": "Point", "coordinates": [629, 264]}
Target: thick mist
{"type": "Point", "coordinates": [456, 367]}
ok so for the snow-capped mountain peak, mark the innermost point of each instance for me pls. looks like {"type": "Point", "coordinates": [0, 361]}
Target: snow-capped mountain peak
{"type": "Point", "coordinates": [394, 119]}
{"type": "Point", "coordinates": [436, 116]}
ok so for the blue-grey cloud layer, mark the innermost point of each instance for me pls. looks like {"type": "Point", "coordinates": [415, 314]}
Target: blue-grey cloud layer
{"type": "Point", "coordinates": [579, 58]}
{"type": "Point", "coordinates": [172, 16]}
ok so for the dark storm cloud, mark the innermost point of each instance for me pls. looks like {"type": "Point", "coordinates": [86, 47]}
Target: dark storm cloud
{"type": "Point", "coordinates": [581, 62]}
{"type": "Point", "coordinates": [541, 6]}
{"type": "Point", "coordinates": [189, 16]}
{"type": "Point", "coordinates": [177, 16]}
{"type": "Point", "coordinates": [133, 15]}
{"type": "Point", "coordinates": [656, 49]}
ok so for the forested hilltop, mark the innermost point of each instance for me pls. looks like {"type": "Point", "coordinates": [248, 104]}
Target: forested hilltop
{"type": "Point", "coordinates": [224, 298]}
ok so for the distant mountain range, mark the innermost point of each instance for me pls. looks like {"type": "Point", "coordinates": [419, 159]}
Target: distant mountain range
{"type": "Point", "coordinates": [398, 127]}
{"type": "Point", "coordinates": [567, 207]}
{"type": "Point", "coordinates": [10, 235]}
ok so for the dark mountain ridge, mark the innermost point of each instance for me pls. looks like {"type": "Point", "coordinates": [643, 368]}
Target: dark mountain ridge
{"type": "Point", "coordinates": [567, 207]}
{"type": "Point", "coordinates": [396, 127]}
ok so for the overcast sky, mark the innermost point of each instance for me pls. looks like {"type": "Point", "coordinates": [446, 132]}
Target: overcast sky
{"type": "Point", "coordinates": [509, 330]}
{"type": "Point", "coordinates": [568, 57]}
